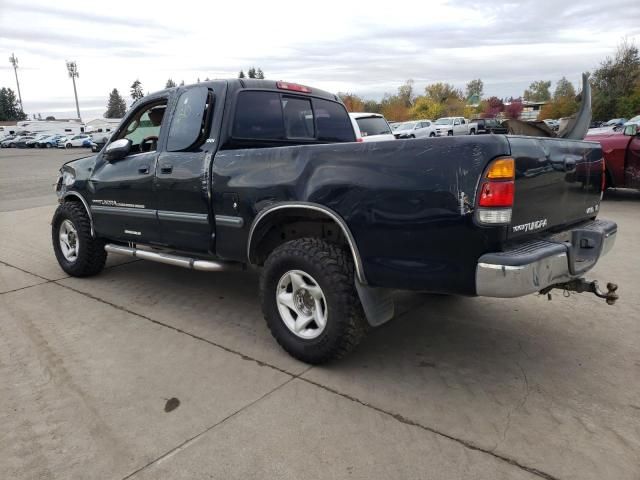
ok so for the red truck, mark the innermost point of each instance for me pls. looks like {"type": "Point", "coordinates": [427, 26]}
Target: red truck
{"type": "Point", "coordinates": [622, 156]}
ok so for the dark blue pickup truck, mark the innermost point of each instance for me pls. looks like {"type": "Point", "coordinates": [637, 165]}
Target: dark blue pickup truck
{"type": "Point", "coordinates": [237, 173]}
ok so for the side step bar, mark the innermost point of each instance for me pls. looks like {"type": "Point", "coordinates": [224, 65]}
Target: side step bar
{"type": "Point", "coordinates": [178, 261]}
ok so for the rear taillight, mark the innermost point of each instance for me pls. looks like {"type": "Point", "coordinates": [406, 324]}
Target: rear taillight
{"type": "Point", "coordinates": [496, 193]}
{"type": "Point", "coordinates": [359, 140]}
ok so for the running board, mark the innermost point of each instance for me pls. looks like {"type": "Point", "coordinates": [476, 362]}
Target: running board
{"type": "Point", "coordinates": [178, 261]}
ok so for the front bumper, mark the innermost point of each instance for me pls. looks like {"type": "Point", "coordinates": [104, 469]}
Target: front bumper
{"type": "Point", "coordinates": [533, 265]}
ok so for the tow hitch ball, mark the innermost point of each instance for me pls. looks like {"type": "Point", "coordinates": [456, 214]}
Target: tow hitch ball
{"type": "Point", "coordinates": [580, 285]}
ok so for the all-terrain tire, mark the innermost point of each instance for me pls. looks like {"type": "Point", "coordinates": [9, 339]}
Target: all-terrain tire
{"type": "Point", "coordinates": [332, 268]}
{"type": "Point", "coordinates": [91, 255]}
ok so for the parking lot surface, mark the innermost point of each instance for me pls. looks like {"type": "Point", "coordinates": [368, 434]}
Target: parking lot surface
{"type": "Point", "coordinates": [150, 371]}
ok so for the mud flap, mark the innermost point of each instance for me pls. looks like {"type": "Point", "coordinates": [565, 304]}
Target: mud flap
{"type": "Point", "coordinates": [377, 303]}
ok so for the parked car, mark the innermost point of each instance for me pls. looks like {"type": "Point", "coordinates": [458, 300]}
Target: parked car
{"type": "Point", "coordinates": [417, 129]}
{"type": "Point", "coordinates": [34, 142]}
{"type": "Point", "coordinates": [49, 141]}
{"type": "Point", "coordinates": [75, 141]}
{"type": "Point", "coordinates": [489, 125]}
{"type": "Point", "coordinates": [22, 142]}
{"type": "Point", "coordinates": [6, 141]}
{"type": "Point", "coordinates": [621, 154]}
{"type": "Point", "coordinates": [13, 141]}
{"type": "Point", "coordinates": [450, 126]}
{"type": "Point", "coordinates": [371, 127]}
{"type": "Point", "coordinates": [635, 120]}
{"type": "Point", "coordinates": [336, 225]}
{"type": "Point", "coordinates": [554, 125]}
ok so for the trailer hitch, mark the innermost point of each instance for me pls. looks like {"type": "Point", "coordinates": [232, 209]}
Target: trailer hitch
{"type": "Point", "coordinates": [580, 285]}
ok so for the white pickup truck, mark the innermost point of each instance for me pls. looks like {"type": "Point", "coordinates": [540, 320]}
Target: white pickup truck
{"type": "Point", "coordinates": [449, 126]}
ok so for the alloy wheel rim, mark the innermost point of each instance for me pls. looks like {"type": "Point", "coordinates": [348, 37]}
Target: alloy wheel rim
{"type": "Point", "coordinates": [301, 304]}
{"type": "Point", "coordinates": [69, 243]}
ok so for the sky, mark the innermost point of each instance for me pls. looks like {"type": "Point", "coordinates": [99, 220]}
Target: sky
{"type": "Point", "coordinates": [366, 48]}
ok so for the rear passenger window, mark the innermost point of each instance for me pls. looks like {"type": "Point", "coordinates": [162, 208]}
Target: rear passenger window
{"type": "Point", "coordinates": [259, 116]}
{"type": "Point", "coordinates": [189, 119]}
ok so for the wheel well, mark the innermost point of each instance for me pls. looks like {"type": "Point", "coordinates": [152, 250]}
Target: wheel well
{"type": "Point", "coordinates": [608, 179]}
{"type": "Point", "coordinates": [284, 226]}
{"type": "Point", "coordinates": [74, 197]}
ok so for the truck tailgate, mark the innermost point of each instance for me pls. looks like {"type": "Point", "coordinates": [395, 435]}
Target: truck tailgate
{"type": "Point", "coordinates": [558, 182]}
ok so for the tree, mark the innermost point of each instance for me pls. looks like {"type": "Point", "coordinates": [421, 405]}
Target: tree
{"type": "Point", "coordinates": [405, 92]}
{"type": "Point", "coordinates": [50, 117]}
{"type": "Point", "coordinates": [492, 107]}
{"type": "Point", "coordinates": [513, 109]}
{"type": "Point", "coordinates": [241, 74]}
{"type": "Point", "coordinates": [394, 108]}
{"type": "Point", "coordinates": [426, 107]}
{"type": "Point", "coordinates": [353, 103]}
{"type": "Point", "coordinates": [260, 74]}
{"type": "Point", "coordinates": [616, 84]}
{"type": "Point", "coordinates": [564, 88]}
{"type": "Point", "coordinates": [10, 108]}
{"type": "Point", "coordinates": [475, 87]}
{"type": "Point", "coordinates": [372, 106]}
{"type": "Point", "coordinates": [136, 90]}
{"type": "Point", "coordinates": [538, 91]}
{"type": "Point", "coordinates": [170, 84]}
{"type": "Point", "coordinates": [182, 83]}
{"type": "Point", "coordinates": [116, 106]}
{"type": "Point", "coordinates": [251, 73]}
{"type": "Point", "coordinates": [441, 92]}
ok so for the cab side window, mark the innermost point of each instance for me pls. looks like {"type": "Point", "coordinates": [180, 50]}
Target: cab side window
{"type": "Point", "coordinates": [143, 128]}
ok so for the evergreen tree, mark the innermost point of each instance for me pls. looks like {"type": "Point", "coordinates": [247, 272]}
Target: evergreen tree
{"type": "Point", "coordinates": [136, 90]}
{"type": "Point", "coordinates": [207, 79]}
{"type": "Point", "coordinates": [170, 84]}
{"type": "Point", "coordinates": [241, 74]}
{"type": "Point", "coordinates": [260, 74]}
{"type": "Point", "coordinates": [116, 107]}
{"type": "Point", "coordinates": [564, 88]}
{"type": "Point", "coordinates": [475, 87]}
{"type": "Point", "coordinates": [10, 108]}
{"type": "Point", "coordinates": [182, 83]}
{"type": "Point", "coordinates": [252, 72]}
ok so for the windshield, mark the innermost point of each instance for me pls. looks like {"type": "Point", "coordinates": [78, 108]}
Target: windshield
{"type": "Point", "coordinates": [444, 121]}
{"type": "Point", "coordinates": [406, 126]}
{"type": "Point", "coordinates": [373, 126]}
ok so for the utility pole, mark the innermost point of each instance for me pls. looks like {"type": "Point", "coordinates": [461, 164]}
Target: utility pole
{"type": "Point", "coordinates": [14, 61]}
{"type": "Point", "coordinates": [72, 68]}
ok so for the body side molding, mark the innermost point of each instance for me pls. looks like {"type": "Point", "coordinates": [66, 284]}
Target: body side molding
{"type": "Point", "coordinates": [355, 253]}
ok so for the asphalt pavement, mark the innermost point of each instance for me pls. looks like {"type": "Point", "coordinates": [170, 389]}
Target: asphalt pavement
{"type": "Point", "coordinates": [150, 371]}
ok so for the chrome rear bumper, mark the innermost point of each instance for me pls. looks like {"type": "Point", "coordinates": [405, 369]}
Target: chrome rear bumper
{"type": "Point", "coordinates": [531, 266]}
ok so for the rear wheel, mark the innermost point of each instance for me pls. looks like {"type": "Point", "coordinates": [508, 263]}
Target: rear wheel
{"type": "Point", "coordinates": [472, 132]}
{"type": "Point", "coordinates": [449, 133]}
{"type": "Point", "coordinates": [68, 145]}
{"type": "Point", "coordinates": [309, 300]}
{"type": "Point", "coordinates": [77, 251]}
{"type": "Point", "coordinates": [432, 134]}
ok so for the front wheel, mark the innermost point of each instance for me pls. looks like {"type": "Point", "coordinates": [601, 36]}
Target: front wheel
{"type": "Point", "coordinates": [77, 251]}
{"type": "Point", "coordinates": [68, 145]}
{"type": "Point", "coordinates": [309, 300]}
{"type": "Point", "coordinates": [432, 134]}
{"type": "Point", "coordinates": [449, 133]}
{"type": "Point", "coordinates": [472, 132]}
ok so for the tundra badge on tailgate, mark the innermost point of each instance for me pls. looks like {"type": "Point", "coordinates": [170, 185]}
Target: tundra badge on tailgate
{"type": "Point", "coordinates": [529, 227]}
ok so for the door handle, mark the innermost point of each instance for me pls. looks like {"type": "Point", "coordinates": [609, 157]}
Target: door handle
{"type": "Point", "coordinates": [144, 170]}
{"type": "Point", "coordinates": [166, 168]}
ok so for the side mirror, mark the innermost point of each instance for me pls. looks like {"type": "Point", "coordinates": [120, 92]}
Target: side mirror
{"type": "Point", "coordinates": [118, 150]}
{"type": "Point", "coordinates": [631, 130]}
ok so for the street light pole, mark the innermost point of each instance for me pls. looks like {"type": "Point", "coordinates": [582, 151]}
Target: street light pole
{"type": "Point", "coordinates": [14, 61]}
{"type": "Point", "coordinates": [72, 68]}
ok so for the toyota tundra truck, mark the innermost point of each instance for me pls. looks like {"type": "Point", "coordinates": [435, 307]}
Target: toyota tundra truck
{"type": "Point", "coordinates": [247, 173]}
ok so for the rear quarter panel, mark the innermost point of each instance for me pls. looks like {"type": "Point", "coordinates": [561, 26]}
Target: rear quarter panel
{"type": "Point", "coordinates": [407, 203]}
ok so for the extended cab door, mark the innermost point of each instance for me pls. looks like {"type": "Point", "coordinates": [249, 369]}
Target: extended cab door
{"type": "Point", "coordinates": [182, 173]}
{"type": "Point", "coordinates": [123, 203]}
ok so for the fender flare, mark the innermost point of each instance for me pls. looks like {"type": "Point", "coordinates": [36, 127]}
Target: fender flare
{"type": "Point", "coordinates": [86, 207]}
{"type": "Point", "coordinates": [263, 214]}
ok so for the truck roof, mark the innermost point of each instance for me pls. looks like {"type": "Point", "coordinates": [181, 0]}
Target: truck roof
{"type": "Point", "coordinates": [280, 85]}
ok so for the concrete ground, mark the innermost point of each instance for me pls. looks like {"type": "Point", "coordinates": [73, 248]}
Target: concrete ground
{"type": "Point", "coordinates": [149, 371]}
